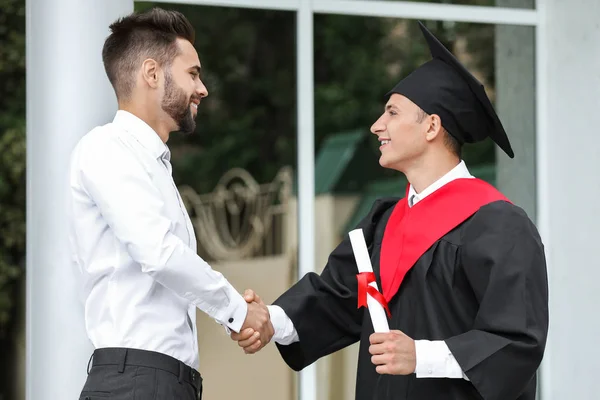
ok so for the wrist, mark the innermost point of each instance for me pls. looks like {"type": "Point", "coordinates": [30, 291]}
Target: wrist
{"type": "Point", "coordinates": [414, 356]}
{"type": "Point", "coordinates": [236, 313]}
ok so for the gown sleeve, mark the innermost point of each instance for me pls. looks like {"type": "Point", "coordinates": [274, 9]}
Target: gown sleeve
{"type": "Point", "coordinates": [323, 308]}
{"type": "Point", "coordinates": [503, 258]}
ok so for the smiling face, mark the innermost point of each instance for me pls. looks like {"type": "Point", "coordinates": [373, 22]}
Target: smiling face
{"type": "Point", "coordinates": [183, 89]}
{"type": "Point", "coordinates": [404, 132]}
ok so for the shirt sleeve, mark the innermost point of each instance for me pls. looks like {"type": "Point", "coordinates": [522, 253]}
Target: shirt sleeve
{"type": "Point", "coordinates": [285, 333]}
{"type": "Point", "coordinates": [435, 360]}
{"type": "Point", "coordinates": [122, 189]}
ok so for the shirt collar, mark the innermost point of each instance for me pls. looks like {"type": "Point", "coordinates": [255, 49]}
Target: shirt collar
{"type": "Point", "coordinates": [460, 171]}
{"type": "Point", "coordinates": [143, 133]}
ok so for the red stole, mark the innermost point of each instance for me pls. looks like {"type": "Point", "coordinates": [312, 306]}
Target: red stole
{"type": "Point", "coordinates": [411, 231]}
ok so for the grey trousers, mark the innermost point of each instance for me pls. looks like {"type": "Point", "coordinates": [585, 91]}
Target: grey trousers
{"type": "Point", "coordinates": [131, 374]}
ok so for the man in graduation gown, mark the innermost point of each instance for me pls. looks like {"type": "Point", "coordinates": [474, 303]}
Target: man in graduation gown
{"type": "Point", "coordinates": [461, 270]}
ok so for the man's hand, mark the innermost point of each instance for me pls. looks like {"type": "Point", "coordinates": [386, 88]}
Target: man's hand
{"type": "Point", "coordinates": [257, 329]}
{"type": "Point", "coordinates": [393, 353]}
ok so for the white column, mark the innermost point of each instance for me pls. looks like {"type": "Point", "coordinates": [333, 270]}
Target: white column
{"type": "Point", "coordinates": [67, 94]}
{"type": "Point", "coordinates": [569, 192]}
{"type": "Point", "coordinates": [306, 165]}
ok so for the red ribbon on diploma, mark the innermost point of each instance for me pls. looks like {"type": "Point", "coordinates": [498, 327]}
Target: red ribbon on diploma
{"type": "Point", "coordinates": [364, 278]}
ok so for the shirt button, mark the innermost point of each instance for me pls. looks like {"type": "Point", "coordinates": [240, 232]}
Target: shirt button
{"type": "Point", "coordinates": [230, 320]}
{"type": "Point", "coordinates": [430, 372]}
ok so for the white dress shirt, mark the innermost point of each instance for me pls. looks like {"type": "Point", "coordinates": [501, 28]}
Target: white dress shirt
{"type": "Point", "coordinates": [434, 358]}
{"type": "Point", "coordinates": [134, 248]}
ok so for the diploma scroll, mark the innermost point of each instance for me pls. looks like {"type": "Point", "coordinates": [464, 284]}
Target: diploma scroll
{"type": "Point", "coordinates": [363, 261]}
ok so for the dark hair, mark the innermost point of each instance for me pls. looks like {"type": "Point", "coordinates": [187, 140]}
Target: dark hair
{"type": "Point", "coordinates": [452, 144]}
{"type": "Point", "coordinates": [138, 36]}
{"type": "Point", "coordinates": [449, 141]}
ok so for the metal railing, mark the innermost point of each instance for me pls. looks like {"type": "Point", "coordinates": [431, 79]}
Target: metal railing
{"type": "Point", "coordinates": [240, 218]}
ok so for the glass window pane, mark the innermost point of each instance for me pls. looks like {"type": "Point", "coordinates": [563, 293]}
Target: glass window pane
{"type": "Point", "coordinates": [357, 60]}
{"type": "Point", "coordinates": [235, 174]}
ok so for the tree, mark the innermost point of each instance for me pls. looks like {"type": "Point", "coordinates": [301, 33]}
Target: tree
{"type": "Point", "coordinates": [12, 181]}
{"type": "Point", "coordinates": [12, 153]}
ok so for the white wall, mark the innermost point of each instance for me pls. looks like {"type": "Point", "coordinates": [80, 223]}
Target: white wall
{"type": "Point", "coordinates": [515, 104]}
{"type": "Point", "coordinates": [67, 94]}
{"type": "Point", "coordinates": [569, 193]}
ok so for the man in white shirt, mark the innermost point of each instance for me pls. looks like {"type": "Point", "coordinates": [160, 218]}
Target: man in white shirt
{"type": "Point", "coordinates": [461, 270]}
{"type": "Point", "coordinates": [133, 243]}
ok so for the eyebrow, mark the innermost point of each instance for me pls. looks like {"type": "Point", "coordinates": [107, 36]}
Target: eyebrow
{"type": "Point", "coordinates": [197, 68]}
{"type": "Point", "coordinates": [390, 106]}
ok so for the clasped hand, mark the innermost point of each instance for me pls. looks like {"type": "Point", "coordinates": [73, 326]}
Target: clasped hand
{"type": "Point", "coordinates": [257, 330]}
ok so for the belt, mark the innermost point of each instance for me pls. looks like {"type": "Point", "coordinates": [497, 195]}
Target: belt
{"type": "Point", "coordinates": [122, 357]}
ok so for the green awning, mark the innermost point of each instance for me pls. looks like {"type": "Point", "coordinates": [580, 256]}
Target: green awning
{"type": "Point", "coordinates": [335, 155]}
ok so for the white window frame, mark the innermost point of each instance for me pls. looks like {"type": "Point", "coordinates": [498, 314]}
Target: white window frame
{"type": "Point", "coordinates": [305, 10]}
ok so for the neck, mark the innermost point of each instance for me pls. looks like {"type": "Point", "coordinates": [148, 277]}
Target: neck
{"type": "Point", "coordinates": [142, 110]}
{"type": "Point", "coordinates": [425, 173]}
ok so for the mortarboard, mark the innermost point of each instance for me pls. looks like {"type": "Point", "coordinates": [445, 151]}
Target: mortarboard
{"type": "Point", "coordinates": [443, 86]}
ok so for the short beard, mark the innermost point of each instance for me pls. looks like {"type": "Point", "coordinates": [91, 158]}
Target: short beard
{"type": "Point", "coordinates": [176, 104]}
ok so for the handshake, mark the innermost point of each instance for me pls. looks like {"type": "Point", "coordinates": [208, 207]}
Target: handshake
{"type": "Point", "coordinates": [257, 330]}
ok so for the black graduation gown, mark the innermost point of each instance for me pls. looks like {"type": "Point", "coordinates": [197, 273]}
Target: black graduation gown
{"type": "Point", "coordinates": [482, 288]}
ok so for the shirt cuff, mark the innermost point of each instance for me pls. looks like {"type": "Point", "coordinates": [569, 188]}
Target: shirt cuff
{"type": "Point", "coordinates": [284, 331]}
{"type": "Point", "coordinates": [234, 316]}
{"type": "Point", "coordinates": [435, 360]}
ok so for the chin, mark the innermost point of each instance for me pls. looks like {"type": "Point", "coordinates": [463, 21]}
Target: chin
{"type": "Point", "coordinates": [187, 127]}
{"type": "Point", "coordinates": [385, 163]}
{"type": "Point", "coordinates": [390, 164]}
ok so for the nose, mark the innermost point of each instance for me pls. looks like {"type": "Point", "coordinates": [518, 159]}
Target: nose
{"type": "Point", "coordinates": [201, 89]}
{"type": "Point", "coordinates": [378, 126]}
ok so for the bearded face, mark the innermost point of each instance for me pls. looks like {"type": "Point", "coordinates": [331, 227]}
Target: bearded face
{"type": "Point", "coordinates": [178, 105]}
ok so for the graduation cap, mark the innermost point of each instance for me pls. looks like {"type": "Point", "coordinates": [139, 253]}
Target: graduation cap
{"type": "Point", "coordinates": [443, 86]}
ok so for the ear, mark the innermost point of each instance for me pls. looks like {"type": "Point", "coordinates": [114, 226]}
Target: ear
{"type": "Point", "coordinates": [434, 127]}
{"type": "Point", "coordinates": [150, 72]}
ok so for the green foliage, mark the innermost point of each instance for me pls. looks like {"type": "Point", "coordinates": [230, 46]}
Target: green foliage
{"type": "Point", "coordinates": [12, 152]}
{"type": "Point", "coordinates": [248, 119]}
{"type": "Point", "coordinates": [249, 64]}
{"type": "Point", "coordinates": [12, 62]}
{"type": "Point", "coordinates": [12, 216]}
